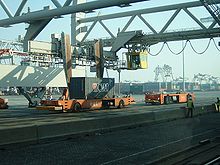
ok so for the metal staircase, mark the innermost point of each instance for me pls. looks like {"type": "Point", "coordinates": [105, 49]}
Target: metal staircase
{"type": "Point", "coordinates": [213, 9]}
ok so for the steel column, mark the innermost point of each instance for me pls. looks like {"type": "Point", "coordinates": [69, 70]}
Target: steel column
{"type": "Point", "coordinates": [33, 30]}
{"type": "Point", "coordinates": [73, 24]}
{"type": "Point", "coordinates": [99, 59]}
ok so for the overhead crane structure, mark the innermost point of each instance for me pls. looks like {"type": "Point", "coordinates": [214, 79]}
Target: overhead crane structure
{"type": "Point", "coordinates": [132, 40]}
{"type": "Point", "coordinates": [164, 35]}
{"type": "Point", "coordinates": [38, 20]}
{"type": "Point", "coordinates": [15, 45]}
{"type": "Point", "coordinates": [205, 78]}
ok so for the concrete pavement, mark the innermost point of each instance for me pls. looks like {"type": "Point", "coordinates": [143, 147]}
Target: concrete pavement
{"type": "Point", "coordinates": [35, 127]}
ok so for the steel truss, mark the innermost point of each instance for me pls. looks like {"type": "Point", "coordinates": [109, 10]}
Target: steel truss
{"type": "Point", "coordinates": [38, 20]}
{"type": "Point", "coordinates": [18, 46]}
{"type": "Point", "coordinates": [157, 36]}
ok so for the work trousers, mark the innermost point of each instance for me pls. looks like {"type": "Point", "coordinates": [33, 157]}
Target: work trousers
{"type": "Point", "coordinates": [190, 112]}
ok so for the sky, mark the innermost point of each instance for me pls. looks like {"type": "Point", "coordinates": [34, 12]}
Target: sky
{"type": "Point", "coordinates": [207, 63]}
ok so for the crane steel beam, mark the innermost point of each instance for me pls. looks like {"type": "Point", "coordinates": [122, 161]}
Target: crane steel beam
{"type": "Point", "coordinates": [68, 2]}
{"type": "Point", "coordinates": [56, 3]}
{"type": "Point", "coordinates": [6, 9]}
{"type": "Point", "coordinates": [20, 8]}
{"type": "Point", "coordinates": [33, 30]}
{"type": "Point", "coordinates": [213, 9]}
{"type": "Point", "coordinates": [162, 35]}
{"type": "Point", "coordinates": [145, 11]}
{"type": "Point", "coordinates": [43, 14]}
{"type": "Point", "coordinates": [11, 45]}
{"type": "Point", "coordinates": [151, 38]}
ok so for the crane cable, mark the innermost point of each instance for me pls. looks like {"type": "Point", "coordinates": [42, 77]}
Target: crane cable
{"type": "Point", "coordinates": [179, 51]}
{"type": "Point", "coordinates": [191, 45]}
{"type": "Point", "coordinates": [158, 51]}
{"type": "Point", "coordinates": [216, 46]}
{"type": "Point", "coordinates": [202, 51]}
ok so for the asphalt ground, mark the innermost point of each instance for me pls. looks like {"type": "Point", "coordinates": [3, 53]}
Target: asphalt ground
{"type": "Point", "coordinates": [20, 124]}
{"type": "Point", "coordinates": [18, 108]}
{"type": "Point", "coordinates": [138, 145]}
{"type": "Point", "coordinates": [22, 115]}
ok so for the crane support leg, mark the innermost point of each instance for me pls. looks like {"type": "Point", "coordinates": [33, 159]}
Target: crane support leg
{"type": "Point", "coordinates": [99, 59]}
{"type": "Point", "coordinates": [35, 97]}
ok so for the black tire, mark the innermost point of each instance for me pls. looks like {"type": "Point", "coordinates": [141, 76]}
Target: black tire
{"type": "Point", "coordinates": [166, 100]}
{"type": "Point", "coordinates": [105, 104]}
{"type": "Point", "coordinates": [121, 104]}
{"type": "Point", "coordinates": [76, 107]}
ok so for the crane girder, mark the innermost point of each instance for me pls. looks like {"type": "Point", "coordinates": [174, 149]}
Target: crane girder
{"type": "Point", "coordinates": [164, 35]}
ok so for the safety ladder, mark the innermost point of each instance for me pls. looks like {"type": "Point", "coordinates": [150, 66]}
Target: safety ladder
{"type": "Point", "coordinates": [213, 9]}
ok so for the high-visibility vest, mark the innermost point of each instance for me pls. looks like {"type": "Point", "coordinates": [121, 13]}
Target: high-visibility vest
{"type": "Point", "coordinates": [190, 104]}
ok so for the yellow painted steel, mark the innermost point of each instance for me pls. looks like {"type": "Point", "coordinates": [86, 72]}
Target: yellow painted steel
{"type": "Point", "coordinates": [143, 60]}
{"type": "Point", "coordinates": [137, 60]}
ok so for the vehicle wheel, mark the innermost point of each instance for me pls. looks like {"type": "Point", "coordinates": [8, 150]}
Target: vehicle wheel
{"type": "Point", "coordinates": [166, 100]}
{"type": "Point", "coordinates": [76, 107]}
{"type": "Point", "coordinates": [121, 104]}
{"type": "Point", "coordinates": [105, 104]}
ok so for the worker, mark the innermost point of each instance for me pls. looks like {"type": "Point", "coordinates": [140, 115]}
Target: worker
{"type": "Point", "coordinates": [65, 94]}
{"type": "Point", "coordinates": [167, 99]}
{"type": "Point", "coordinates": [190, 107]}
{"type": "Point", "coordinates": [217, 104]}
{"type": "Point", "coordinates": [188, 96]}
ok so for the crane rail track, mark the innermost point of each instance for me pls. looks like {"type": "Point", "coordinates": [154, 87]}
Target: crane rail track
{"type": "Point", "coordinates": [180, 156]}
{"type": "Point", "coordinates": [194, 154]}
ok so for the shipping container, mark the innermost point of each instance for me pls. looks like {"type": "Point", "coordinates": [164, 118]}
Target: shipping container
{"type": "Point", "coordinates": [152, 87]}
{"type": "Point", "coordinates": [124, 88]}
{"type": "Point", "coordinates": [91, 88]}
{"type": "Point", "coordinates": [136, 88]}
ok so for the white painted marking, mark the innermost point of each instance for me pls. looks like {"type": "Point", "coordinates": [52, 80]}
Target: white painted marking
{"type": "Point", "coordinates": [157, 147]}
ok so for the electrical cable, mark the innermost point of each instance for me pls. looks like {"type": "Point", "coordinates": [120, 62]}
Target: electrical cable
{"type": "Point", "coordinates": [215, 44]}
{"type": "Point", "coordinates": [202, 51]}
{"type": "Point", "coordinates": [157, 52]}
{"type": "Point", "coordinates": [179, 51]}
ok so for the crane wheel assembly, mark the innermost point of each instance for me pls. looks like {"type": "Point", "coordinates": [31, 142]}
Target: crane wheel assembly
{"type": "Point", "coordinates": [77, 107]}
{"type": "Point", "coordinates": [121, 104]}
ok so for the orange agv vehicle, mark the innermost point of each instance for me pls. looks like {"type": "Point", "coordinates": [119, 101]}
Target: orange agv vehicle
{"type": "Point", "coordinates": [167, 98]}
{"type": "Point", "coordinates": [84, 92]}
{"type": "Point", "coordinates": [86, 95]}
{"type": "Point", "coordinates": [74, 105]}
